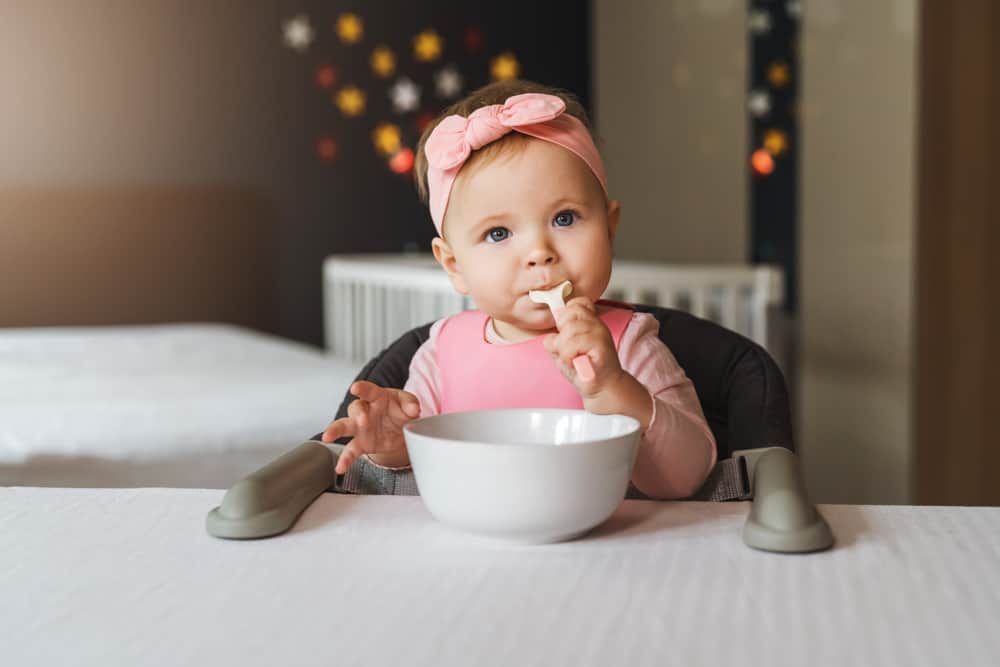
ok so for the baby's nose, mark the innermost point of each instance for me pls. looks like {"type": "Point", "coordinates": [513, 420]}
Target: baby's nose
{"type": "Point", "coordinates": [542, 262]}
{"type": "Point", "coordinates": [541, 257]}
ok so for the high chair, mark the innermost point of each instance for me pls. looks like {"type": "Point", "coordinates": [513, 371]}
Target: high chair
{"type": "Point", "coordinates": [741, 390]}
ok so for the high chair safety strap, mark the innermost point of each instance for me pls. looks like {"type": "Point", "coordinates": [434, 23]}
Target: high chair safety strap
{"type": "Point", "coordinates": [366, 478]}
{"type": "Point", "coordinates": [729, 480]}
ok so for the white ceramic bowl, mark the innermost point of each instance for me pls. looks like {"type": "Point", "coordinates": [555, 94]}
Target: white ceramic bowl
{"type": "Point", "coordinates": [523, 475]}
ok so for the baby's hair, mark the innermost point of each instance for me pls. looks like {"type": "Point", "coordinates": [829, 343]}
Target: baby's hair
{"type": "Point", "coordinates": [494, 93]}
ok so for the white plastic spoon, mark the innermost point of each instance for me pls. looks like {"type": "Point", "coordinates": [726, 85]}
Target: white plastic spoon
{"type": "Point", "coordinates": [555, 299]}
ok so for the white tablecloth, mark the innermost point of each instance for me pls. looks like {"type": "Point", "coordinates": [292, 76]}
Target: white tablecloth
{"type": "Point", "coordinates": [129, 577]}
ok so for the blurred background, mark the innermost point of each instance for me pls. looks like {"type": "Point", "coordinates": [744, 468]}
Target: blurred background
{"type": "Point", "coordinates": [183, 160]}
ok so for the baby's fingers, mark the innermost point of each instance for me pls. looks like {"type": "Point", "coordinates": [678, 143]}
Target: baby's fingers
{"type": "Point", "coordinates": [339, 428]}
{"type": "Point", "coordinates": [578, 310]}
{"type": "Point", "coordinates": [406, 407]}
{"type": "Point", "coordinates": [367, 391]}
{"type": "Point", "coordinates": [351, 452]}
{"type": "Point", "coordinates": [582, 302]}
{"type": "Point", "coordinates": [358, 412]}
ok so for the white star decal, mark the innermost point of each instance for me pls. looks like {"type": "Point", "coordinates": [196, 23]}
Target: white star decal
{"type": "Point", "coordinates": [759, 103]}
{"type": "Point", "coordinates": [405, 95]}
{"type": "Point", "coordinates": [759, 22]}
{"type": "Point", "coordinates": [298, 33]}
{"type": "Point", "coordinates": [448, 82]}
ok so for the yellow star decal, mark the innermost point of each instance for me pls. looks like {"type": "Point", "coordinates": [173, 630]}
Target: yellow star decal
{"type": "Point", "coordinates": [383, 62]}
{"type": "Point", "coordinates": [427, 46]}
{"type": "Point", "coordinates": [778, 74]}
{"type": "Point", "coordinates": [351, 100]}
{"type": "Point", "coordinates": [350, 28]}
{"type": "Point", "coordinates": [505, 66]}
{"type": "Point", "coordinates": [386, 137]}
{"type": "Point", "coordinates": [775, 142]}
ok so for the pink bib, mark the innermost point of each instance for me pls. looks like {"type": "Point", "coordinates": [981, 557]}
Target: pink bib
{"type": "Point", "coordinates": [477, 375]}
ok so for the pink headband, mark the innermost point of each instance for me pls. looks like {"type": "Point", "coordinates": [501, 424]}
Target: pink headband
{"type": "Point", "coordinates": [534, 114]}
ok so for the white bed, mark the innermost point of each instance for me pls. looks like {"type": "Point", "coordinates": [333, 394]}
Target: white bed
{"type": "Point", "coordinates": [176, 405]}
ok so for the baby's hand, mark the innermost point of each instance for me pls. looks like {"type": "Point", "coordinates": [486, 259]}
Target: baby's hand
{"type": "Point", "coordinates": [375, 423]}
{"type": "Point", "coordinates": [581, 331]}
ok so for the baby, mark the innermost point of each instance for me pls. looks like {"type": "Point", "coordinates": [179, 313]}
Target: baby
{"type": "Point", "coordinates": [517, 192]}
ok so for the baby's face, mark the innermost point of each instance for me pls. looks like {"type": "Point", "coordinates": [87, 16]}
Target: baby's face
{"type": "Point", "coordinates": [529, 220]}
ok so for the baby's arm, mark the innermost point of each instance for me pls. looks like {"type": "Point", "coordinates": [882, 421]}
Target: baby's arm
{"type": "Point", "coordinates": [612, 390]}
{"type": "Point", "coordinates": [678, 450]}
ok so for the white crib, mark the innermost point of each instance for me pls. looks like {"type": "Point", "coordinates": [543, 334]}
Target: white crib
{"type": "Point", "coordinates": [370, 300]}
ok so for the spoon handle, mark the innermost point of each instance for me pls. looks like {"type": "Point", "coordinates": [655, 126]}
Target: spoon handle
{"type": "Point", "coordinates": [584, 368]}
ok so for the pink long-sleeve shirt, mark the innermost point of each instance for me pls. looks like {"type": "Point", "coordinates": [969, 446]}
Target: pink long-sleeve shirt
{"type": "Point", "coordinates": [677, 451]}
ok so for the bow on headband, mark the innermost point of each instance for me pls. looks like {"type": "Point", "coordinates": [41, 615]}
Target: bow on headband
{"type": "Point", "coordinates": [533, 114]}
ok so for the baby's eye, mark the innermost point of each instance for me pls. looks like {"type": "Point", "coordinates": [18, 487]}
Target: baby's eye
{"type": "Point", "coordinates": [497, 234]}
{"type": "Point", "coordinates": [564, 218]}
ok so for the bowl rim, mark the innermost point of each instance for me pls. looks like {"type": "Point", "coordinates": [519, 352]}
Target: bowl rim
{"type": "Point", "coordinates": [633, 428]}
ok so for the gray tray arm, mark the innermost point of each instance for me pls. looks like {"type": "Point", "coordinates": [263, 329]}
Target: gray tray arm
{"type": "Point", "coordinates": [782, 518]}
{"type": "Point", "coordinates": [267, 502]}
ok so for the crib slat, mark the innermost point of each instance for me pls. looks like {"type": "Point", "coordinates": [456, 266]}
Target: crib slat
{"type": "Point", "coordinates": [760, 301]}
{"type": "Point", "coordinates": [340, 315]}
{"type": "Point", "coordinates": [371, 305]}
{"type": "Point", "coordinates": [381, 330]}
{"type": "Point", "coordinates": [360, 324]}
{"type": "Point", "coordinates": [699, 302]}
{"type": "Point", "coordinates": [728, 308]}
{"type": "Point", "coordinates": [351, 321]}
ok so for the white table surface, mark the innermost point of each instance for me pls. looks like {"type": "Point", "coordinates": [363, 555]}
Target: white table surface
{"type": "Point", "coordinates": [129, 577]}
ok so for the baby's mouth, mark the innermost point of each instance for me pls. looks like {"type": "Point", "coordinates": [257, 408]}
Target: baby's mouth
{"type": "Point", "coordinates": [548, 286]}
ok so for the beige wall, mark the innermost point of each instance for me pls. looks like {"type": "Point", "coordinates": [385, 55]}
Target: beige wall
{"type": "Point", "coordinates": [669, 81]}
{"type": "Point", "coordinates": [114, 93]}
{"type": "Point", "coordinates": [131, 130]}
{"type": "Point", "coordinates": [857, 240]}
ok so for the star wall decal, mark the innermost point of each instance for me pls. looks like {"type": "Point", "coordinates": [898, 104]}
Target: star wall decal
{"type": "Point", "coordinates": [427, 46]}
{"type": "Point", "coordinates": [778, 74]}
{"type": "Point", "coordinates": [405, 95]}
{"type": "Point", "coordinates": [326, 76]}
{"type": "Point", "coordinates": [349, 81]}
{"type": "Point", "coordinates": [386, 138]}
{"type": "Point", "coordinates": [350, 100]}
{"type": "Point", "coordinates": [383, 62]}
{"type": "Point", "coordinates": [448, 82]}
{"type": "Point", "coordinates": [298, 33]}
{"type": "Point", "coordinates": [775, 142]}
{"type": "Point", "coordinates": [350, 28]}
{"type": "Point", "coordinates": [759, 22]}
{"type": "Point", "coordinates": [759, 103]}
{"type": "Point", "coordinates": [505, 66]}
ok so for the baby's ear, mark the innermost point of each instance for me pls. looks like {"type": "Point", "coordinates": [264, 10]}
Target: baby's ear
{"type": "Point", "coordinates": [446, 258]}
